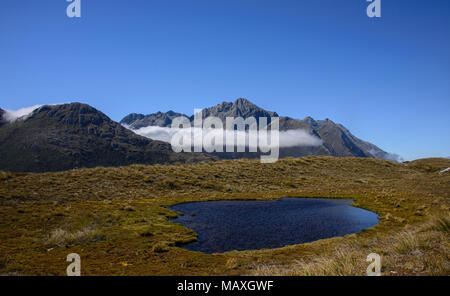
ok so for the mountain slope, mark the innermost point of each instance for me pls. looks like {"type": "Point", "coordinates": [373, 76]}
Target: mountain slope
{"type": "Point", "coordinates": [337, 140]}
{"type": "Point", "coordinates": [62, 137]}
{"type": "Point", "coordinates": [2, 120]}
{"type": "Point", "coordinates": [136, 121]}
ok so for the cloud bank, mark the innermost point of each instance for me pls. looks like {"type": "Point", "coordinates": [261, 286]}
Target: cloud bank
{"type": "Point", "coordinates": [290, 138]}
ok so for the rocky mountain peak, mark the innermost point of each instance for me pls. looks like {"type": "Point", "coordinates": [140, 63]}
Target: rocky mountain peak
{"type": "Point", "coordinates": [239, 108]}
{"type": "Point", "coordinates": [310, 121]}
{"type": "Point", "coordinates": [71, 114]}
{"type": "Point", "coordinates": [130, 118]}
{"type": "Point", "coordinates": [137, 121]}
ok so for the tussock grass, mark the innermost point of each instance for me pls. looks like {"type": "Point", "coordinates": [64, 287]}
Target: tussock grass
{"type": "Point", "coordinates": [443, 224]}
{"type": "Point", "coordinates": [419, 250]}
{"type": "Point", "coordinates": [160, 247]}
{"type": "Point", "coordinates": [60, 237]}
{"type": "Point", "coordinates": [3, 262]}
{"type": "Point", "coordinates": [127, 206]}
{"type": "Point", "coordinates": [232, 263]}
{"type": "Point", "coordinates": [342, 263]}
{"type": "Point", "coordinates": [406, 241]}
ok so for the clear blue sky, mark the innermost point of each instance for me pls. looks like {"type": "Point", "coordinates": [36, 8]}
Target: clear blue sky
{"type": "Point", "coordinates": [387, 80]}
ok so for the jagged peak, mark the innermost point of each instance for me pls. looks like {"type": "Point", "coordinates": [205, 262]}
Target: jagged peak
{"type": "Point", "coordinates": [241, 107]}
{"type": "Point", "coordinates": [326, 121]}
{"type": "Point", "coordinates": [309, 119]}
{"type": "Point", "coordinates": [243, 101]}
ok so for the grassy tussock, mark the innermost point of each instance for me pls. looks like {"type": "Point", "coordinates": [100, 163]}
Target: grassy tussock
{"type": "Point", "coordinates": [60, 237]}
{"type": "Point", "coordinates": [232, 263]}
{"type": "Point", "coordinates": [160, 247]}
{"type": "Point", "coordinates": [340, 264]}
{"type": "Point", "coordinates": [406, 242]}
{"type": "Point", "coordinates": [442, 224]}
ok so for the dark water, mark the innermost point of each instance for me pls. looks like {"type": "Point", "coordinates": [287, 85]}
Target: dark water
{"type": "Point", "coordinates": [247, 225]}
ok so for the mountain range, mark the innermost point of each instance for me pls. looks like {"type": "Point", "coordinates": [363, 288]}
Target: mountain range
{"type": "Point", "coordinates": [336, 139]}
{"type": "Point", "coordinates": [67, 136]}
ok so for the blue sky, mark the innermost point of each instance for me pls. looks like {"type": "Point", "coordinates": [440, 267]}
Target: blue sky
{"type": "Point", "coordinates": [387, 80]}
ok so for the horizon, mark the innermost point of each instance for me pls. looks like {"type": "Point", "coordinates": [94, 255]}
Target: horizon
{"type": "Point", "coordinates": [386, 80]}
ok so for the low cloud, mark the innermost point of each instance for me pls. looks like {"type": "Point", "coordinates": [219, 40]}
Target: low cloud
{"type": "Point", "coordinates": [13, 115]}
{"type": "Point", "coordinates": [23, 113]}
{"type": "Point", "coordinates": [386, 156]}
{"type": "Point", "coordinates": [290, 138]}
{"type": "Point", "coordinates": [394, 157]}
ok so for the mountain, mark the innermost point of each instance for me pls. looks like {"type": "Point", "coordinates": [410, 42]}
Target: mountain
{"type": "Point", "coordinates": [336, 139]}
{"type": "Point", "coordinates": [62, 137]}
{"type": "Point", "coordinates": [2, 120]}
{"type": "Point", "coordinates": [136, 121]}
{"type": "Point", "coordinates": [240, 108]}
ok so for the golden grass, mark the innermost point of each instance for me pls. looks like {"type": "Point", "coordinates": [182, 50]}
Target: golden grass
{"type": "Point", "coordinates": [442, 224]}
{"type": "Point", "coordinates": [406, 241]}
{"type": "Point", "coordinates": [232, 263]}
{"type": "Point", "coordinates": [115, 215]}
{"type": "Point", "coordinates": [60, 237]}
{"type": "Point", "coordinates": [413, 251]}
{"type": "Point", "coordinates": [339, 264]}
{"type": "Point", "coordinates": [160, 248]}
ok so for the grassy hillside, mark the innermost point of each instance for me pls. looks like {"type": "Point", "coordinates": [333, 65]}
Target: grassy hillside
{"type": "Point", "coordinates": [116, 218]}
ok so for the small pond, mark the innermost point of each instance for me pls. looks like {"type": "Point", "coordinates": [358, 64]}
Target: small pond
{"type": "Point", "coordinates": [248, 225]}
